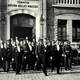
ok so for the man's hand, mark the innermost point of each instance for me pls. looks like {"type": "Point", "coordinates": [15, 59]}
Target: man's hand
{"type": "Point", "coordinates": [12, 59]}
{"type": "Point", "coordinates": [24, 57]}
{"type": "Point", "coordinates": [51, 57]}
{"type": "Point", "coordinates": [2, 58]}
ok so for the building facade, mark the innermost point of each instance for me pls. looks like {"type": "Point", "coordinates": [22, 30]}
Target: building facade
{"type": "Point", "coordinates": [23, 18]}
{"type": "Point", "coordinates": [52, 19]}
{"type": "Point", "coordinates": [64, 21]}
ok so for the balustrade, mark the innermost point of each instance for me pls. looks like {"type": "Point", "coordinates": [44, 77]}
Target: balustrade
{"type": "Point", "coordinates": [67, 2]}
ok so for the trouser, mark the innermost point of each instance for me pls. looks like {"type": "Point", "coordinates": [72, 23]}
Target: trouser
{"type": "Point", "coordinates": [14, 65]}
{"type": "Point", "coordinates": [25, 60]}
{"type": "Point", "coordinates": [38, 64]}
{"type": "Point", "coordinates": [18, 67]}
{"type": "Point", "coordinates": [58, 68]}
{"type": "Point", "coordinates": [24, 63]}
{"type": "Point", "coordinates": [32, 60]}
{"type": "Point", "coordinates": [67, 63]}
{"type": "Point", "coordinates": [43, 62]}
{"type": "Point", "coordinates": [52, 64]}
{"type": "Point", "coordinates": [18, 64]}
{"type": "Point", "coordinates": [6, 65]}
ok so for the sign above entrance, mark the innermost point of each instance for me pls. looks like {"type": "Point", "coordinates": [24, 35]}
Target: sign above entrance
{"type": "Point", "coordinates": [22, 4]}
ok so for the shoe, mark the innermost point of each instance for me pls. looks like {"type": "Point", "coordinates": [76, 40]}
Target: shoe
{"type": "Point", "coordinates": [46, 74]}
{"type": "Point", "coordinates": [24, 70]}
{"type": "Point", "coordinates": [7, 71]}
{"type": "Point", "coordinates": [51, 70]}
{"type": "Point", "coordinates": [58, 73]}
{"type": "Point", "coordinates": [18, 73]}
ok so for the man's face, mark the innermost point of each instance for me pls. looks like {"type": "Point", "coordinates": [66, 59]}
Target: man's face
{"type": "Point", "coordinates": [7, 42]}
{"type": "Point", "coordinates": [53, 43]}
{"type": "Point", "coordinates": [1, 41]}
{"type": "Point", "coordinates": [27, 40]}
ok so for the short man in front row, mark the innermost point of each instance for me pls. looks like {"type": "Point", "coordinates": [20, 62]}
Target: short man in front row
{"type": "Point", "coordinates": [68, 53]}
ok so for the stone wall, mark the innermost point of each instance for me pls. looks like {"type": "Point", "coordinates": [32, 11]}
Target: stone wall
{"type": "Point", "coordinates": [60, 11]}
{"type": "Point", "coordinates": [50, 20]}
{"type": "Point", "coordinates": [3, 18]}
{"type": "Point", "coordinates": [68, 14]}
{"type": "Point", "coordinates": [0, 19]}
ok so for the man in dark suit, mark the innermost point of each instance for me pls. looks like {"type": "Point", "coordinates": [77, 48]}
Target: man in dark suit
{"type": "Point", "coordinates": [68, 53]}
{"type": "Point", "coordinates": [6, 55]}
{"type": "Point", "coordinates": [58, 53]}
{"type": "Point", "coordinates": [25, 56]}
{"type": "Point", "coordinates": [52, 57]}
{"type": "Point", "coordinates": [13, 55]}
{"type": "Point", "coordinates": [3, 56]}
{"type": "Point", "coordinates": [42, 56]}
{"type": "Point", "coordinates": [48, 53]}
{"type": "Point", "coordinates": [9, 54]}
{"type": "Point", "coordinates": [1, 52]}
{"type": "Point", "coordinates": [18, 57]}
{"type": "Point", "coordinates": [33, 56]}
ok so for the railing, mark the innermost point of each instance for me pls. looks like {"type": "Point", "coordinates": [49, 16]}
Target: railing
{"type": "Point", "coordinates": [67, 1]}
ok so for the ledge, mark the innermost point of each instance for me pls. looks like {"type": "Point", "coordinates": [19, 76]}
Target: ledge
{"type": "Point", "coordinates": [67, 5]}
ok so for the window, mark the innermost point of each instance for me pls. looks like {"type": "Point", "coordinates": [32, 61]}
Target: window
{"type": "Point", "coordinates": [62, 32]}
{"type": "Point", "coordinates": [76, 30]}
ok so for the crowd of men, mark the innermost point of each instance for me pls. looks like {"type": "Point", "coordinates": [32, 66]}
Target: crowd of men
{"type": "Point", "coordinates": [30, 55]}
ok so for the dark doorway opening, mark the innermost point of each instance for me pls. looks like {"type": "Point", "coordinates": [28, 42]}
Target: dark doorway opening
{"type": "Point", "coordinates": [22, 32]}
{"type": "Point", "coordinates": [22, 25]}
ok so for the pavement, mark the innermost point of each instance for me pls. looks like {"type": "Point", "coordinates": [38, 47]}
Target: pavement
{"type": "Point", "coordinates": [73, 74]}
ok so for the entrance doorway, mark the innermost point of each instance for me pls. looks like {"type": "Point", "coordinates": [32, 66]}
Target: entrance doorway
{"type": "Point", "coordinates": [22, 25]}
{"type": "Point", "coordinates": [22, 32]}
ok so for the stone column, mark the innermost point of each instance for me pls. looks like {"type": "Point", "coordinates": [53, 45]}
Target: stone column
{"type": "Point", "coordinates": [66, 1]}
{"type": "Point", "coordinates": [60, 1]}
{"type": "Point", "coordinates": [77, 1]}
{"type": "Point", "coordinates": [63, 1]}
{"type": "Point", "coordinates": [44, 16]}
{"type": "Point", "coordinates": [57, 1]}
{"type": "Point", "coordinates": [0, 19]}
{"type": "Point", "coordinates": [69, 30]}
{"type": "Point", "coordinates": [43, 21]}
{"type": "Point", "coordinates": [55, 29]}
{"type": "Point", "coordinates": [8, 27]}
{"type": "Point", "coordinates": [72, 1]}
{"type": "Point", "coordinates": [69, 1]}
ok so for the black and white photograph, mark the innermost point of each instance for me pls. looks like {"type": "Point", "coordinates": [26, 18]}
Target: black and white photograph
{"type": "Point", "coordinates": [39, 39]}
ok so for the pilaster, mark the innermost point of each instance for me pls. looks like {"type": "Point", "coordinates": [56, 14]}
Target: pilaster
{"type": "Point", "coordinates": [69, 30]}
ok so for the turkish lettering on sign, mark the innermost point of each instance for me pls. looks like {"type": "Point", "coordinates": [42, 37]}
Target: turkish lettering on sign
{"type": "Point", "coordinates": [22, 3]}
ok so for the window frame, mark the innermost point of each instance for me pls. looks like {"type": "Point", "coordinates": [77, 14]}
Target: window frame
{"type": "Point", "coordinates": [61, 32]}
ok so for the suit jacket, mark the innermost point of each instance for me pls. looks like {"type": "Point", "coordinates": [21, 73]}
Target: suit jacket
{"type": "Point", "coordinates": [18, 55]}
{"type": "Point", "coordinates": [58, 56]}
{"type": "Point", "coordinates": [40, 49]}
{"type": "Point", "coordinates": [4, 53]}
